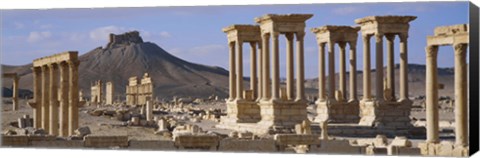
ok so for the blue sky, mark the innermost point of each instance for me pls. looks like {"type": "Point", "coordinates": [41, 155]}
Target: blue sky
{"type": "Point", "coordinates": [194, 33]}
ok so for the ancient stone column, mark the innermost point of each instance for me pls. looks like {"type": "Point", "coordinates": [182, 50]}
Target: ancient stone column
{"type": "Point", "coordinates": [276, 67]}
{"type": "Point", "coordinates": [290, 66]}
{"type": "Point", "coordinates": [239, 66]}
{"type": "Point", "coordinates": [260, 72]}
{"type": "Point", "coordinates": [37, 93]}
{"type": "Point", "coordinates": [353, 71]}
{"type": "Point", "coordinates": [64, 99]}
{"type": "Point", "coordinates": [53, 130]}
{"type": "Point", "coordinates": [45, 98]}
{"type": "Point", "coordinates": [266, 66]}
{"type": "Point", "coordinates": [149, 109]}
{"type": "Point", "coordinates": [300, 66]}
{"type": "Point", "coordinates": [321, 72]}
{"type": "Point", "coordinates": [390, 65]}
{"type": "Point", "coordinates": [403, 67]}
{"type": "Point", "coordinates": [367, 95]}
{"type": "Point", "coordinates": [331, 70]}
{"type": "Point", "coordinates": [432, 95]}
{"type": "Point", "coordinates": [379, 67]}
{"type": "Point", "coordinates": [253, 68]}
{"type": "Point", "coordinates": [342, 74]}
{"type": "Point", "coordinates": [461, 94]}
{"type": "Point", "coordinates": [232, 88]}
{"type": "Point", "coordinates": [73, 97]}
{"type": "Point", "coordinates": [15, 93]}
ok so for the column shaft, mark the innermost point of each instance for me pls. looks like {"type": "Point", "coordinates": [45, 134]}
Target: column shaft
{"type": "Point", "coordinates": [276, 67]}
{"type": "Point", "coordinates": [353, 71]}
{"type": "Point", "coordinates": [260, 72]}
{"type": "Point", "coordinates": [45, 99]}
{"type": "Point", "coordinates": [331, 70]}
{"type": "Point", "coordinates": [390, 65]}
{"type": "Point", "coordinates": [232, 84]}
{"type": "Point", "coordinates": [290, 67]}
{"type": "Point", "coordinates": [367, 95]}
{"type": "Point", "coordinates": [461, 94]}
{"type": "Point", "coordinates": [239, 66]}
{"type": "Point", "coordinates": [342, 74]}
{"type": "Point", "coordinates": [266, 66]}
{"type": "Point", "coordinates": [53, 130]}
{"type": "Point", "coordinates": [15, 94]}
{"type": "Point", "coordinates": [403, 67]}
{"type": "Point", "coordinates": [379, 67]}
{"type": "Point", "coordinates": [300, 67]}
{"type": "Point", "coordinates": [37, 95]}
{"type": "Point", "coordinates": [73, 97]}
{"type": "Point", "coordinates": [432, 95]}
{"type": "Point", "coordinates": [253, 68]}
{"type": "Point", "coordinates": [63, 99]}
{"type": "Point", "coordinates": [321, 72]}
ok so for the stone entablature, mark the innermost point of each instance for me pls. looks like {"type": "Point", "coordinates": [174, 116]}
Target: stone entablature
{"type": "Point", "coordinates": [449, 35]}
{"type": "Point", "coordinates": [385, 24]}
{"type": "Point", "coordinates": [49, 73]}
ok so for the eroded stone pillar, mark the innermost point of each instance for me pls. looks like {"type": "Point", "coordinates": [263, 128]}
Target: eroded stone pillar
{"type": "Point", "coordinates": [300, 66]}
{"type": "Point", "coordinates": [276, 67]}
{"type": "Point", "coordinates": [239, 66]}
{"type": "Point", "coordinates": [342, 80]}
{"type": "Point", "coordinates": [253, 68]}
{"type": "Point", "coordinates": [403, 67]}
{"type": "Point", "coordinates": [232, 84]}
{"type": "Point", "coordinates": [379, 67]}
{"type": "Point", "coordinates": [331, 70]}
{"type": "Point", "coordinates": [266, 66]}
{"type": "Point", "coordinates": [353, 71]}
{"type": "Point", "coordinates": [461, 83]}
{"type": "Point", "coordinates": [390, 66]}
{"type": "Point", "coordinates": [53, 99]}
{"type": "Point", "coordinates": [290, 66]}
{"type": "Point", "coordinates": [321, 72]}
{"type": "Point", "coordinates": [432, 95]}
{"type": "Point", "coordinates": [15, 93]}
{"type": "Point", "coordinates": [45, 98]}
{"type": "Point", "coordinates": [367, 95]}
{"type": "Point", "coordinates": [73, 97]}
{"type": "Point", "coordinates": [260, 72]}
{"type": "Point", "coordinates": [63, 99]}
{"type": "Point", "coordinates": [37, 96]}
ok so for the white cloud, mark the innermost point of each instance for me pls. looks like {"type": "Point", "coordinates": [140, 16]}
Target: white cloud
{"type": "Point", "coordinates": [101, 33]}
{"type": "Point", "coordinates": [38, 36]}
{"type": "Point", "coordinates": [19, 25]}
{"type": "Point", "coordinates": [165, 34]}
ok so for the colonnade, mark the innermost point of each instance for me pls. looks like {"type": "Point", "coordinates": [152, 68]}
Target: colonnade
{"type": "Point", "coordinates": [59, 71]}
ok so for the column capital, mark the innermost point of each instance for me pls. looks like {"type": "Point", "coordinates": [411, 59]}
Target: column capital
{"type": "Point", "coordinates": [266, 35]}
{"type": "Point", "coordinates": [431, 51]}
{"type": "Point", "coordinates": [352, 44]}
{"type": "Point", "coordinates": [403, 37]}
{"type": "Point", "coordinates": [390, 37]}
{"type": "Point", "coordinates": [342, 45]}
{"type": "Point", "coordinates": [289, 36]}
{"type": "Point", "coordinates": [73, 63]}
{"type": "Point", "coordinates": [460, 49]}
{"type": "Point", "coordinates": [378, 37]}
{"type": "Point", "coordinates": [299, 35]}
{"type": "Point", "coordinates": [253, 44]}
{"type": "Point", "coordinates": [275, 34]}
{"type": "Point", "coordinates": [53, 66]}
{"type": "Point", "coordinates": [366, 37]}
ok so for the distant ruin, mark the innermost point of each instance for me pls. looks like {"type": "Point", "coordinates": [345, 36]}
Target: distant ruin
{"type": "Point", "coordinates": [124, 39]}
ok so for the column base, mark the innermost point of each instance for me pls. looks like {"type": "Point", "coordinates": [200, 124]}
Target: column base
{"type": "Point", "coordinates": [385, 114]}
{"type": "Point", "coordinates": [281, 116]}
{"type": "Point", "coordinates": [444, 148]}
{"type": "Point", "coordinates": [337, 112]}
{"type": "Point", "coordinates": [242, 111]}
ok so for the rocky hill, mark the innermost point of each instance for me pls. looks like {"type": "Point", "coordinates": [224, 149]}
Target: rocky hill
{"type": "Point", "coordinates": [127, 55]}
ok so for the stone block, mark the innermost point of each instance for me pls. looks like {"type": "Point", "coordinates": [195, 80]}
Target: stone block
{"type": "Point", "coordinates": [58, 143]}
{"type": "Point", "coordinates": [205, 142]}
{"type": "Point", "coordinates": [105, 141]}
{"type": "Point", "coordinates": [151, 145]}
{"type": "Point", "coordinates": [372, 150]}
{"type": "Point", "coordinates": [14, 140]}
{"type": "Point", "coordinates": [297, 139]}
{"type": "Point", "coordinates": [243, 145]}
{"type": "Point", "coordinates": [82, 131]}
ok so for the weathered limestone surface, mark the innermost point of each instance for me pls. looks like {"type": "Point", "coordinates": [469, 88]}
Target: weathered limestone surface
{"type": "Point", "coordinates": [247, 145]}
{"type": "Point", "coordinates": [457, 36]}
{"type": "Point", "coordinates": [109, 93]}
{"type": "Point", "coordinates": [105, 141]}
{"type": "Point", "coordinates": [53, 72]}
{"type": "Point", "coordinates": [337, 109]}
{"type": "Point", "coordinates": [96, 92]}
{"type": "Point", "coordinates": [203, 142]}
{"type": "Point", "coordinates": [137, 93]}
{"type": "Point", "coordinates": [378, 111]}
{"type": "Point", "coordinates": [151, 145]}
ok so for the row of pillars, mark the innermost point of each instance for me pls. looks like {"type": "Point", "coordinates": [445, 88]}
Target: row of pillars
{"type": "Point", "coordinates": [262, 90]}
{"type": "Point", "coordinates": [379, 87]}
{"type": "Point", "coordinates": [461, 94]}
{"type": "Point", "coordinates": [48, 105]}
